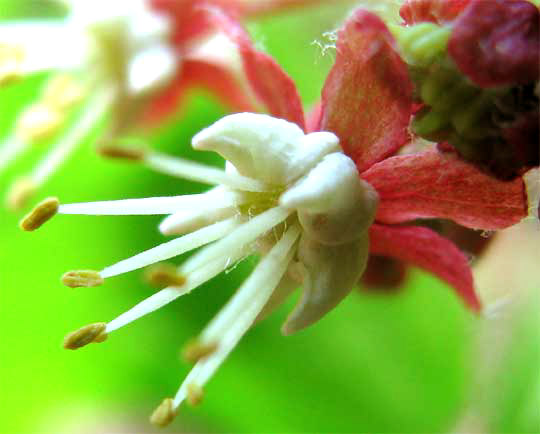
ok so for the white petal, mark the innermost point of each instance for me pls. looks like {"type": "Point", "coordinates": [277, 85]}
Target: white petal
{"type": "Point", "coordinates": [259, 146]}
{"type": "Point", "coordinates": [330, 274]}
{"type": "Point", "coordinates": [334, 205]}
{"type": "Point", "coordinates": [151, 68]}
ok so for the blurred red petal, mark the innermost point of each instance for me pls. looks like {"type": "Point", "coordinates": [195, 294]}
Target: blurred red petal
{"type": "Point", "coordinates": [440, 185]}
{"type": "Point", "coordinates": [367, 96]}
{"type": "Point", "coordinates": [428, 250]}
{"type": "Point", "coordinates": [271, 84]}
{"type": "Point", "coordinates": [433, 11]}
{"type": "Point", "coordinates": [497, 42]}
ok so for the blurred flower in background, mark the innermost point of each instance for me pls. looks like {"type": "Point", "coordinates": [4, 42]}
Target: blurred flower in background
{"type": "Point", "coordinates": [104, 57]}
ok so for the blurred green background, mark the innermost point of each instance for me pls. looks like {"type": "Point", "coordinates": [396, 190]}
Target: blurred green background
{"type": "Point", "coordinates": [406, 362]}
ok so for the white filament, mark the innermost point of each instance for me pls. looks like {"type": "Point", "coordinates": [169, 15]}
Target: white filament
{"type": "Point", "coordinates": [238, 315]}
{"type": "Point", "coordinates": [172, 248]}
{"type": "Point", "coordinates": [149, 206]}
{"type": "Point", "coordinates": [244, 235]}
{"type": "Point", "coordinates": [167, 295]}
{"type": "Point", "coordinates": [199, 172]}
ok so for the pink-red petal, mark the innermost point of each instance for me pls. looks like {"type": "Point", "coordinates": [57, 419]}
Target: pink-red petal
{"type": "Point", "coordinates": [271, 84]}
{"type": "Point", "coordinates": [433, 11]}
{"type": "Point", "coordinates": [367, 99]}
{"type": "Point", "coordinates": [432, 184]}
{"type": "Point", "coordinates": [497, 42]}
{"type": "Point", "coordinates": [426, 249]}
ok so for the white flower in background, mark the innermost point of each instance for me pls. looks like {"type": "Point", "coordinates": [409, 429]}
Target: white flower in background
{"type": "Point", "coordinates": [293, 199]}
{"type": "Point", "coordinates": [103, 56]}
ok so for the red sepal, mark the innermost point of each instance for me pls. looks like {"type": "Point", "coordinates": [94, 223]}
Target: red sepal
{"type": "Point", "coordinates": [431, 184]}
{"type": "Point", "coordinates": [426, 249]}
{"type": "Point", "coordinates": [367, 97]}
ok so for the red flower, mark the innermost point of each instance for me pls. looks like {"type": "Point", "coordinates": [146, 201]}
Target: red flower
{"type": "Point", "coordinates": [367, 103]}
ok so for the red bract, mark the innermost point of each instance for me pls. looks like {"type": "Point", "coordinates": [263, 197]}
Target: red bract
{"type": "Point", "coordinates": [242, 89]}
{"type": "Point", "coordinates": [497, 42]}
{"type": "Point", "coordinates": [433, 11]}
{"type": "Point", "coordinates": [367, 103]}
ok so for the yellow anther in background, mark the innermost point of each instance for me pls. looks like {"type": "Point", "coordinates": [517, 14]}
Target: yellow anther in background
{"type": "Point", "coordinates": [62, 92]}
{"type": "Point", "coordinates": [39, 122]}
{"type": "Point", "coordinates": [11, 60]}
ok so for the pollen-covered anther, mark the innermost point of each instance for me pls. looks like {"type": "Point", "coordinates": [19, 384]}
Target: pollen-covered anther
{"type": "Point", "coordinates": [82, 278]}
{"type": "Point", "coordinates": [162, 275]}
{"type": "Point", "coordinates": [11, 59]}
{"type": "Point", "coordinates": [20, 192]}
{"type": "Point", "coordinates": [164, 414]}
{"type": "Point", "coordinates": [40, 214]}
{"type": "Point", "coordinates": [196, 350]}
{"type": "Point", "coordinates": [39, 122]}
{"type": "Point", "coordinates": [195, 394]}
{"type": "Point", "coordinates": [129, 153]}
{"type": "Point", "coordinates": [86, 335]}
{"type": "Point", "coordinates": [62, 92]}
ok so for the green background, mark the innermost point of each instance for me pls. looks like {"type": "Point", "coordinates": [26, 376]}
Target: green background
{"type": "Point", "coordinates": [400, 362]}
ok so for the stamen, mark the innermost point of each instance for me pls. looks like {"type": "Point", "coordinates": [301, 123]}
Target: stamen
{"type": "Point", "coordinates": [244, 235]}
{"type": "Point", "coordinates": [162, 275]}
{"type": "Point", "coordinates": [85, 335]}
{"type": "Point", "coordinates": [21, 190]}
{"type": "Point", "coordinates": [197, 350]}
{"type": "Point", "coordinates": [239, 314]}
{"type": "Point", "coordinates": [164, 414]}
{"type": "Point", "coordinates": [82, 278]}
{"type": "Point", "coordinates": [129, 153]}
{"type": "Point", "coordinates": [202, 173]}
{"type": "Point", "coordinates": [172, 248]}
{"type": "Point", "coordinates": [40, 214]}
{"type": "Point", "coordinates": [11, 60]}
{"type": "Point", "coordinates": [195, 394]}
{"type": "Point", "coordinates": [146, 206]}
{"type": "Point", "coordinates": [167, 295]}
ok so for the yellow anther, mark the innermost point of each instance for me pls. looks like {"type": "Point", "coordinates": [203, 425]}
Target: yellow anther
{"type": "Point", "coordinates": [164, 414]}
{"type": "Point", "coordinates": [85, 335]}
{"type": "Point", "coordinates": [20, 192]}
{"type": "Point", "coordinates": [11, 60]}
{"type": "Point", "coordinates": [197, 350]}
{"type": "Point", "coordinates": [62, 92]}
{"type": "Point", "coordinates": [129, 153]}
{"type": "Point", "coordinates": [195, 394]}
{"type": "Point", "coordinates": [40, 214]}
{"type": "Point", "coordinates": [162, 275]}
{"type": "Point", "coordinates": [39, 122]}
{"type": "Point", "coordinates": [82, 278]}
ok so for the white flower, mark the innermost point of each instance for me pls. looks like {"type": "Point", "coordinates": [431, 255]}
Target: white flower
{"type": "Point", "coordinates": [104, 54]}
{"type": "Point", "coordinates": [292, 198]}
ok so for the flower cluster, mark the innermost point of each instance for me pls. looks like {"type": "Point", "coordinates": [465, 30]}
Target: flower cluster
{"type": "Point", "coordinates": [475, 67]}
{"type": "Point", "coordinates": [312, 199]}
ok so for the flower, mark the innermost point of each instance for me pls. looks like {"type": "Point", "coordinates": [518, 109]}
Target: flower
{"type": "Point", "coordinates": [131, 59]}
{"type": "Point", "coordinates": [475, 68]}
{"type": "Point", "coordinates": [313, 202]}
